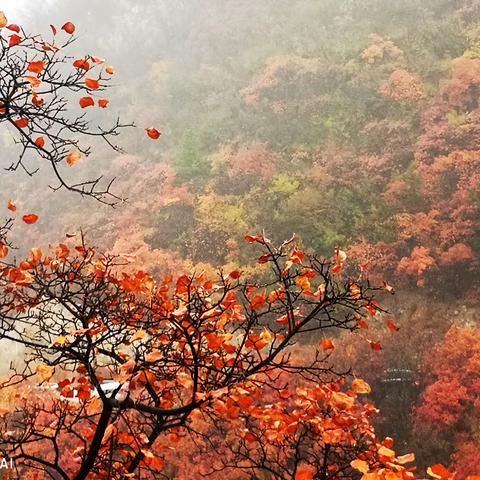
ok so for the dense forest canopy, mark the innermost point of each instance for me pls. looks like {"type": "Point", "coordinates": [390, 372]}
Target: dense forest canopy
{"type": "Point", "coordinates": [354, 124]}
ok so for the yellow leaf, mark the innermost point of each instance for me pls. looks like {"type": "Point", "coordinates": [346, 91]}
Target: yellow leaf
{"type": "Point", "coordinates": [386, 452]}
{"type": "Point", "coordinates": [410, 457]}
{"type": "Point", "coordinates": [59, 342]}
{"type": "Point", "coordinates": [360, 465]}
{"type": "Point", "coordinates": [139, 335]}
{"type": "Point", "coordinates": [45, 372]}
{"type": "Point", "coordinates": [361, 386]}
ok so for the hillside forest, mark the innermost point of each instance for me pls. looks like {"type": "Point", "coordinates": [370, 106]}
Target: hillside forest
{"type": "Point", "coordinates": [240, 240]}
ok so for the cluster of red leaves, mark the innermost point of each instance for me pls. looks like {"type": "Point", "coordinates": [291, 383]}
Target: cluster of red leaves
{"type": "Point", "coordinates": [452, 395]}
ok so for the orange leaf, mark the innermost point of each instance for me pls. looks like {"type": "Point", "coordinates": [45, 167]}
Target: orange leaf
{"type": "Point", "coordinates": [11, 206]}
{"type": "Point", "coordinates": [30, 218]}
{"type": "Point", "coordinates": [3, 250]}
{"type": "Point", "coordinates": [36, 67]}
{"type": "Point", "coordinates": [86, 102]}
{"type": "Point", "coordinates": [40, 142]}
{"type": "Point", "coordinates": [327, 344]}
{"type": "Point", "coordinates": [258, 302]}
{"type": "Point", "coordinates": [14, 40]}
{"type": "Point", "coordinates": [34, 81]}
{"type": "Point", "coordinates": [103, 103]}
{"type": "Point", "coordinates": [305, 472]}
{"type": "Point", "coordinates": [92, 84]}
{"type": "Point", "coordinates": [110, 70]}
{"type": "Point", "coordinates": [69, 27]}
{"type": "Point", "coordinates": [154, 356]}
{"type": "Point", "coordinates": [21, 122]}
{"type": "Point", "coordinates": [438, 471]}
{"type": "Point", "coordinates": [153, 133]}
{"type": "Point", "coordinates": [73, 158]}
{"type": "Point", "coordinates": [139, 335]}
{"type": "Point", "coordinates": [360, 465]}
{"type": "Point", "coordinates": [3, 20]}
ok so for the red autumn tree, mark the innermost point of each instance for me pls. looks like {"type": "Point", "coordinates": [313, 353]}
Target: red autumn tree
{"type": "Point", "coordinates": [449, 407]}
{"type": "Point", "coordinates": [172, 347]}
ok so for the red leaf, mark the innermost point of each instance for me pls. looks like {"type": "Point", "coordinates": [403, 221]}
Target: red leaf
{"type": "Point", "coordinates": [256, 238]}
{"type": "Point", "coordinates": [14, 40]}
{"type": "Point", "coordinates": [362, 323]}
{"type": "Point", "coordinates": [264, 258]}
{"type": "Point", "coordinates": [54, 29]}
{"type": "Point", "coordinates": [69, 27]}
{"type": "Point", "coordinates": [86, 102]}
{"type": "Point", "coordinates": [391, 326]}
{"type": "Point", "coordinates": [40, 142]}
{"type": "Point", "coordinates": [375, 345]}
{"type": "Point", "coordinates": [30, 218]}
{"type": "Point", "coordinates": [11, 206]}
{"type": "Point", "coordinates": [82, 64]}
{"type": "Point", "coordinates": [36, 67]}
{"type": "Point", "coordinates": [21, 122]}
{"type": "Point", "coordinates": [103, 103]}
{"type": "Point", "coordinates": [153, 133]}
{"type": "Point", "coordinates": [14, 28]}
